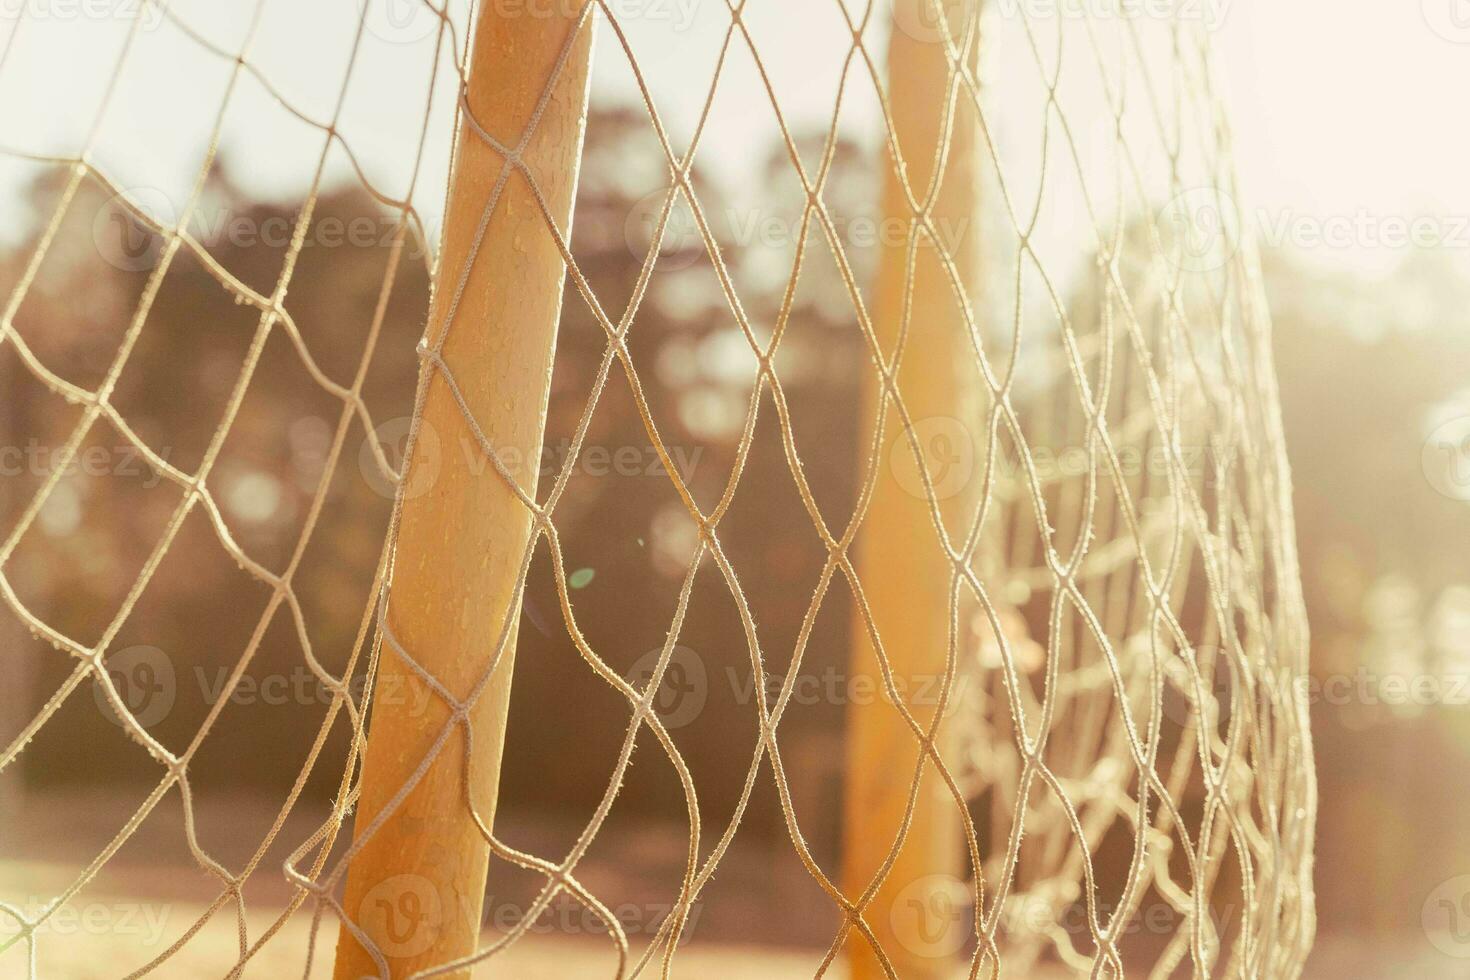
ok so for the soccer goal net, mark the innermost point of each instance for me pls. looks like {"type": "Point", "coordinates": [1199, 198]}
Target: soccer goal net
{"type": "Point", "coordinates": [724, 478]}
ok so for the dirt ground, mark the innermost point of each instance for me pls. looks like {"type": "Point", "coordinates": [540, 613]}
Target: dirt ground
{"type": "Point", "coordinates": [142, 901]}
{"type": "Point", "coordinates": [211, 953]}
{"type": "Point", "coordinates": [145, 898]}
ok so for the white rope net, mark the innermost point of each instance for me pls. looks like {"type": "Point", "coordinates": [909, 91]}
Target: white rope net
{"type": "Point", "coordinates": [1124, 623]}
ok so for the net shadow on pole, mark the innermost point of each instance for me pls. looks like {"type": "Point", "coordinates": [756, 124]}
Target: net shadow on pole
{"type": "Point", "coordinates": [420, 857]}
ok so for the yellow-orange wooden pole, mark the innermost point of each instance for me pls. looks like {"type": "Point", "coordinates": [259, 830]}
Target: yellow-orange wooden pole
{"type": "Point", "coordinates": [416, 887]}
{"type": "Point", "coordinates": [919, 914]}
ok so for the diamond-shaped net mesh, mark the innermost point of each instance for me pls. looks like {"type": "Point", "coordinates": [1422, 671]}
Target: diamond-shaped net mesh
{"type": "Point", "coordinates": [1059, 543]}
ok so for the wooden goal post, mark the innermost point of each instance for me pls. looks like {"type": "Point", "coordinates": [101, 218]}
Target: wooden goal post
{"type": "Point", "coordinates": [908, 583]}
{"type": "Point", "coordinates": [416, 886]}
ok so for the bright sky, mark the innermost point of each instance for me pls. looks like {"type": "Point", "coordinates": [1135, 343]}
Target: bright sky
{"type": "Point", "coordinates": [1345, 106]}
{"type": "Point", "coordinates": [1336, 107]}
{"type": "Point", "coordinates": [1352, 104]}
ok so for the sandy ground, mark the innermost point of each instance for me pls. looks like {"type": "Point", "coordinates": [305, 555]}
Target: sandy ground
{"type": "Point", "coordinates": [109, 932]}
{"type": "Point", "coordinates": [78, 951]}
{"type": "Point", "coordinates": [81, 955]}
{"type": "Point", "coordinates": [112, 935]}
{"type": "Point", "coordinates": [140, 904]}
